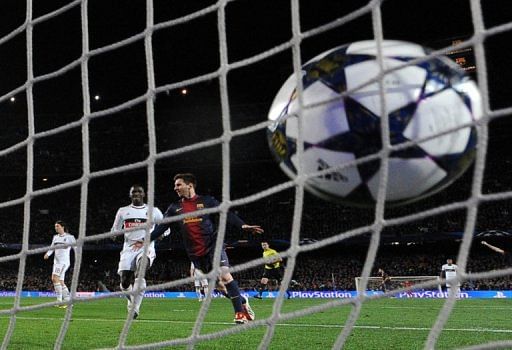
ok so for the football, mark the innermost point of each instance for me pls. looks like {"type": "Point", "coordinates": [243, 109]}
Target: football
{"type": "Point", "coordinates": [431, 107]}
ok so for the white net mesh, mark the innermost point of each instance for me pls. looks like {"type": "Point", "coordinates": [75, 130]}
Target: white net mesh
{"type": "Point", "coordinates": [77, 76]}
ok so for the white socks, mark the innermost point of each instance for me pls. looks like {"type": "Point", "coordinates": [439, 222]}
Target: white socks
{"type": "Point", "coordinates": [138, 296]}
{"type": "Point", "coordinates": [58, 291]}
{"type": "Point", "coordinates": [65, 292]}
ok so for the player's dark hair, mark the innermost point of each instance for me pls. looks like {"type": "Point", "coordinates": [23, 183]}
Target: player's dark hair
{"type": "Point", "coordinates": [188, 178]}
{"type": "Point", "coordinates": [63, 224]}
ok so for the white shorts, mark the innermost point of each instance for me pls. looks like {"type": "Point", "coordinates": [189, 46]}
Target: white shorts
{"type": "Point", "coordinates": [198, 282]}
{"type": "Point", "coordinates": [60, 270]}
{"type": "Point", "coordinates": [129, 259]}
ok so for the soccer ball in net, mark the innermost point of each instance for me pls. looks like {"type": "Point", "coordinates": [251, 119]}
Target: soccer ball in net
{"type": "Point", "coordinates": [422, 100]}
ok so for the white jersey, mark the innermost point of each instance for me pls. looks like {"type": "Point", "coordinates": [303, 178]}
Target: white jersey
{"type": "Point", "coordinates": [130, 217]}
{"type": "Point", "coordinates": [450, 271]}
{"type": "Point", "coordinates": [61, 254]}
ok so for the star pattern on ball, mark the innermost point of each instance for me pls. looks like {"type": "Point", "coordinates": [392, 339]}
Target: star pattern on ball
{"type": "Point", "coordinates": [349, 126]}
{"type": "Point", "coordinates": [364, 135]}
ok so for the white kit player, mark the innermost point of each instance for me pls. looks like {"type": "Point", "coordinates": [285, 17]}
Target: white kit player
{"type": "Point", "coordinates": [200, 284]}
{"type": "Point", "coordinates": [61, 260]}
{"type": "Point", "coordinates": [130, 263]}
{"type": "Point", "coordinates": [449, 271]}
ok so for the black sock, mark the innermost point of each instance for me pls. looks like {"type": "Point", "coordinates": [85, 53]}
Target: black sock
{"type": "Point", "coordinates": [234, 295]}
{"type": "Point", "coordinates": [261, 289]}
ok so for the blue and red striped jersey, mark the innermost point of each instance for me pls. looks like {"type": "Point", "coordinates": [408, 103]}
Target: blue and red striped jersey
{"type": "Point", "coordinates": [199, 233]}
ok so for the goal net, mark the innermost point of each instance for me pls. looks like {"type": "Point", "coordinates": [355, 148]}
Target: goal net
{"type": "Point", "coordinates": [96, 96]}
{"type": "Point", "coordinates": [408, 283]}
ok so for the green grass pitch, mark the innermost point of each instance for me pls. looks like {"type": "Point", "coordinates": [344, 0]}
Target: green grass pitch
{"type": "Point", "coordinates": [383, 324]}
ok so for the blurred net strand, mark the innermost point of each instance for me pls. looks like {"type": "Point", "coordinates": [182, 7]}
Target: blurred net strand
{"type": "Point", "coordinates": [476, 191]}
{"type": "Point", "coordinates": [29, 182]}
{"type": "Point", "coordinates": [226, 138]}
{"type": "Point", "coordinates": [300, 180]}
{"type": "Point", "coordinates": [377, 227]}
{"type": "Point", "coordinates": [86, 168]}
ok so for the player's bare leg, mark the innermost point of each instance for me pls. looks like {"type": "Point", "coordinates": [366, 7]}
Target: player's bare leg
{"type": "Point", "coordinates": [240, 304]}
{"type": "Point", "coordinates": [262, 288]}
{"type": "Point", "coordinates": [221, 288]}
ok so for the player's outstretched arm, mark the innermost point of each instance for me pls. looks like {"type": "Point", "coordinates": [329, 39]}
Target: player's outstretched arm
{"type": "Point", "coordinates": [490, 246]}
{"type": "Point", "coordinates": [252, 228]}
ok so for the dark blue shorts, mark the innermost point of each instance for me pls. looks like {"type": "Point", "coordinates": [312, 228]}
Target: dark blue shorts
{"type": "Point", "coordinates": [205, 262]}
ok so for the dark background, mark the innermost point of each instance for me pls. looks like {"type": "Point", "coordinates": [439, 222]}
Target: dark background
{"type": "Point", "coordinates": [189, 50]}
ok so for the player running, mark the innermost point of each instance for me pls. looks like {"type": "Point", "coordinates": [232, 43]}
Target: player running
{"type": "Point", "coordinates": [273, 269]}
{"type": "Point", "coordinates": [61, 260]}
{"type": "Point", "coordinates": [130, 263]}
{"type": "Point", "coordinates": [199, 233]}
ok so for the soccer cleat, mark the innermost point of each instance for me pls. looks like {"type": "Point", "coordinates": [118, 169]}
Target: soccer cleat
{"type": "Point", "coordinates": [249, 313]}
{"type": "Point", "coordinates": [63, 306]}
{"type": "Point", "coordinates": [135, 315]}
{"type": "Point", "coordinates": [257, 296]}
{"type": "Point", "coordinates": [240, 318]}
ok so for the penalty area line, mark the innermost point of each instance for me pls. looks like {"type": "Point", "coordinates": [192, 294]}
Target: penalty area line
{"type": "Point", "coordinates": [291, 325]}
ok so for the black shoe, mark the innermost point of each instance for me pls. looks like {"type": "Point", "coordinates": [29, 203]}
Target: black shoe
{"type": "Point", "coordinates": [258, 297]}
{"type": "Point", "coordinates": [135, 315]}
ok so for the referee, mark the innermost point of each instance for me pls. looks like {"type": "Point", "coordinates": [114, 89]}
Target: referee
{"type": "Point", "coordinates": [273, 269]}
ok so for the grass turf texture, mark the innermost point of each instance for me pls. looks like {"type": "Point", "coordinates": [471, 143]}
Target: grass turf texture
{"type": "Point", "coordinates": [383, 324]}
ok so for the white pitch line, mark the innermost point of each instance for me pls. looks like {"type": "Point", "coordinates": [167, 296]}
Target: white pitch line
{"type": "Point", "coordinates": [299, 325]}
{"type": "Point", "coordinates": [430, 308]}
{"type": "Point", "coordinates": [373, 307]}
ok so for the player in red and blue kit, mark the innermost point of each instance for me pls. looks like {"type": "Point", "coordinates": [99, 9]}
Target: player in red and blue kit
{"type": "Point", "coordinates": [200, 234]}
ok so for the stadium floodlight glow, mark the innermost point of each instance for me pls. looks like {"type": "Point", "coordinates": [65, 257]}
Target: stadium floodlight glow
{"type": "Point", "coordinates": [12, 99]}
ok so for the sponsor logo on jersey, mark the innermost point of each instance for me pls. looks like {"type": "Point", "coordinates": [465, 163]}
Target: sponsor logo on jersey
{"type": "Point", "coordinates": [192, 220]}
{"type": "Point", "coordinates": [200, 206]}
{"type": "Point", "coordinates": [134, 223]}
